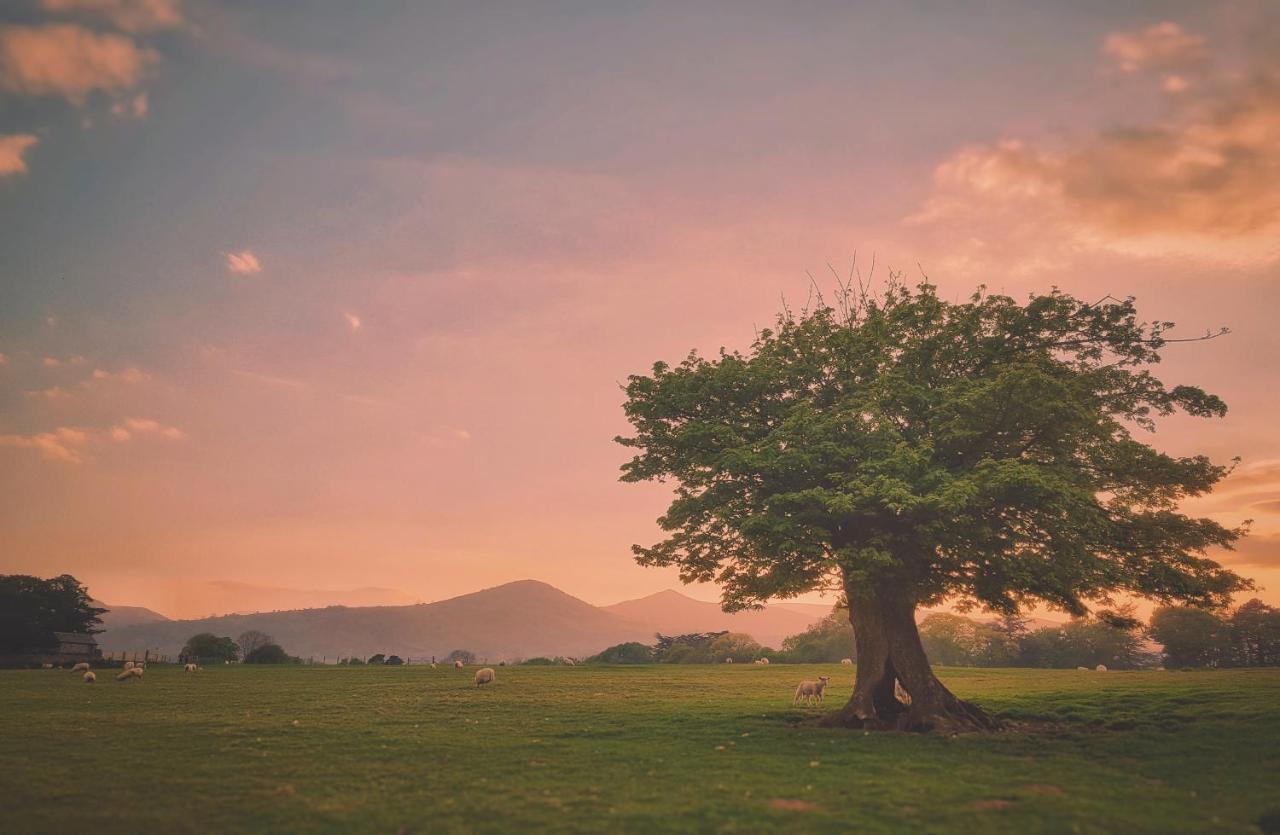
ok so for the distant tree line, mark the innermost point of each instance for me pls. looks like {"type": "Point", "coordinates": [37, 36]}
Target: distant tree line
{"type": "Point", "coordinates": [1246, 637]}
{"type": "Point", "coordinates": [252, 647]}
{"type": "Point", "coordinates": [1249, 636]}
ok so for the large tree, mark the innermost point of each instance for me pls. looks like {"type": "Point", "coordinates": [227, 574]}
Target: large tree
{"type": "Point", "coordinates": [32, 609]}
{"type": "Point", "coordinates": [906, 450]}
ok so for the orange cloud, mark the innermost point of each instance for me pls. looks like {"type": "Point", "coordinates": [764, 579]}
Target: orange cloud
{"type": "Point", "coordinates": [243, 263]}
{"type": "Point", "coordinates": [126, 15]}
{"type": "Point", "coordinates": [1164, 46]}
{"type": "Point", "coordinates": [58, 445]}
{"type": "Point", "coordinates": [71, 61]}
{"type": "Point", "coordinates": [1205, 181]}
{"type": "Point", "coordinates": [12, 150]}
{"type": "Point", "coordinates": [353, 321]}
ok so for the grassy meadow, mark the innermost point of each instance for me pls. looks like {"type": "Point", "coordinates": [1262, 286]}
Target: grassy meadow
{"type": "Point", "coordinates": [626, 749]}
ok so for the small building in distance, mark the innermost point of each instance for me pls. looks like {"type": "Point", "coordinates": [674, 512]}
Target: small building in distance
{"type": "Point", "coordinates": [74, 647]}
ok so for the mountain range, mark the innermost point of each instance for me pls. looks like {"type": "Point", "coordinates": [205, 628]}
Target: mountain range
{"type": "Point", "coordinates": [522, 619]}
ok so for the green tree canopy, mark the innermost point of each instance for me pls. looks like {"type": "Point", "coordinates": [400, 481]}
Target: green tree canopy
{"type": "Point", "coordinates": [32, 609]}
{"type": "Point", "coordinates": [268, 654]}
{"type": "Point", "coordinates": [206, 646]}
{"type": "Point", "coordinates": [905, 450]}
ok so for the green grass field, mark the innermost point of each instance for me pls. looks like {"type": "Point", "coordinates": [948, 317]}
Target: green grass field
{"type": "Point", "coordinates": [610, 749]}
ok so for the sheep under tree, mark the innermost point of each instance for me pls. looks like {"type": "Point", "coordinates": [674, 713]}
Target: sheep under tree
{"type": "Point", "coordinates": [904, 450]}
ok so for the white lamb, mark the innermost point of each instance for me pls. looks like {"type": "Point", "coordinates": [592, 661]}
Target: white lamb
{"type": "Point", "coordinates": [457, 665]}
{"type": "Point", "coordinates": [484, 676]}
{"type": "Point", "coordinates": [89, 677]}
{"type": "Point", "coordinates": [132, 672]}
{"type": "Point", "coordinates": [847, 662]}
{"type": "Point", "coordinates": [190, 668]}
{"type": "Point", "coordinates": [728, 661]}
{"type": "Point", "coordinates": [811, 690]}
{"type": "Point", "coordinates": [1102, 668]}
{"type": "Point", "coordinates": [83, 666]}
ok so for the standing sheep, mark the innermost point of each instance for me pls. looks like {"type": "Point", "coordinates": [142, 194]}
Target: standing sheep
{"type": "Point", "coordinates": [484, 676]}
{"type": "Point", "coordinates": [83, 666]}
{"type": "Point", "coordinates": [89, 677]}
{"type": "Point", "coordinates": [457, 665]}
{"type": "Point", "coordinates": [190, 668]}
{"type": "Point", "coordinates": [728, 661]}
{"type": "Point", "coordinates": [811, 690]}
{"type": "Point", "coordinates": [847, 662]}
{"type": "Point", "coordinates": [763, 661]}
{"type": "Point", "coordinates": [129, 665]}
{"type": "Point", "coordinates": [1101, 668]}
{"type": "Point", "coordinates": [132, 672]}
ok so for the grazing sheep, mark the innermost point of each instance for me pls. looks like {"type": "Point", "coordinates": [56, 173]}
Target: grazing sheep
{"type": "Point", "coordinates": [89, 677]}
{"type": "Point", "coordinates": [811, 690]}
{"type": "Point", "coordinates": [763, 661]}
{"type": "Point", "coordinates": [81, 667]}
{"type": "Point", "coordinates": [190, 668]}
{"type": "Point", "coordinates": [728, 661]}
{"type": "Point", "coordinates": [132, 672]}
{"type": "Point", "coordinates": [569, 662]}
{"type": "Point", "coordinates": [484, 676]}
{"type": "Point", "coordinates": [900, 693]}
{"type": "Point", "coordinates": [848, 662]}
{"type": "Point", "coordinates": [1101, 668]}
{"type": "Point", "coordinates": [457, 665]}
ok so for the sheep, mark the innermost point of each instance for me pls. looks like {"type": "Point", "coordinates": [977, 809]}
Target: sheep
{"type": "Point", "coordinates": [190, 668]}
{"type": "Point", "coordinates": [47, 666]}
{"type": "Point", "coordinates": [810, 690]}
{"type": "Point", "coordinates": [728, 661]}
{"type": "Point", "coordinates": [129, 665]}
{"type": "Point", "coordinates": [569, 662]}
{"type": "Point", "coordinates": [457, 665]}
{"type": "Point", "coordinates": [132, 672]}
{"type": "Point", "coordinates": [846, 662]}
{"type": "Point", "coordinates": [763, 661]}
{"type": "Point", "coordinates": [433, 665]}
{"type": "Point", "coordinates": [1085, 669]}
{"type": "Point", "coordinates": [484, 676]}
{"type": "Point", "coordinates": [81, 667]}
{"type": "Point", "coordinates": [1101, 668]}
{"type": "Point", "coordinates": [89, 677]}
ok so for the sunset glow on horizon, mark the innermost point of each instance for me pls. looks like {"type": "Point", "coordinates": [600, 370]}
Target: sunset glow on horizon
{"type": "Point", "coordinates": [344, 300]}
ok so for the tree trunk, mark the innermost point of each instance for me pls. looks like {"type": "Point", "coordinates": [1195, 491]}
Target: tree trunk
{"type": "Point", "coordinates": [889, 651]}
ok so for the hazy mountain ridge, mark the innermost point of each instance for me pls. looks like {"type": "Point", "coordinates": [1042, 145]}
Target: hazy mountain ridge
{"type": "Point", "coordinates": [517, 620]}
{"type": "Point", "coordinates": [671, 612]}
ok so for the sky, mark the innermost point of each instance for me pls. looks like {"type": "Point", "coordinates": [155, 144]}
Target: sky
{"type": "Point", "coordinates": [311, 295]}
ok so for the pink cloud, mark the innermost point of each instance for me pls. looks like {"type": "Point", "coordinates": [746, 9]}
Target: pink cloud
{"type": "Point", "coordinates": [127, 375]}
{"type": "Point", "coordinates": [59, 445]}
{"type": "Point", "coordinates": [13, 149]}
{"type": "Point", "coordinates": [243, 263]}
{"type": "Point", "coordinates": [1164, 46]}
{"type": "Point", "coordinates": [71, 61]}
{"type": "Point", "coordinates": [126, 15]}
{"type": "Point", "coordinates": [132, 427]}
{"type": "Point", "coordinates": [353, 321]}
